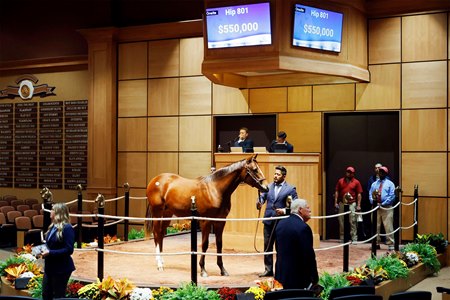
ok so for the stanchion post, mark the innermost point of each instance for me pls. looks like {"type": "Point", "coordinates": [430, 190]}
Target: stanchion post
{"type": "Point", "coordinates": [47, 198]}
{"type": "Point", "coordinates": [194, 228]}
{"type": "Point", "coordinates": [346, 236]}
{"type": "Point", "coordinates": [100, 200]}
{"type": "Point", "coordinates": [374, 228]}
{"type": "Point", "coordinates": [79, 219]}
{"type": "Point", "coordinates": [398, 191]}
{"type": "Point", "coordinates": [416, 211]}
{"type": "Point", "coordinates": [126, 187]}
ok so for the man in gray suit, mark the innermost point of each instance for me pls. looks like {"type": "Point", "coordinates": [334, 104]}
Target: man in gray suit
{"type": "Point", "coordinates": [276, 197]}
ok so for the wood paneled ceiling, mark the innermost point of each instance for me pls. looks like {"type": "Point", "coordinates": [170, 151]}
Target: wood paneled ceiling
{"type": "Point", "coordinates": [31, 29]}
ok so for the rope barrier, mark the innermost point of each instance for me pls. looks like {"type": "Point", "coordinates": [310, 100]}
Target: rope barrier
{"type": "Point", "coordinates": [119, 219]}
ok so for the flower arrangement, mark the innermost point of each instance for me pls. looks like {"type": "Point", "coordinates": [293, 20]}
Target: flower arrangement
{"type": "Point", "coordinates": [73, 287]}
{"type": "Point", "coordinates": [159, 293]}
{"type": "Point", "coordinates": [191, 291]}
{"type": "Point", "coordinates": [35, 286]}
{"type": "Point", "coordinates": [269, 285]}
{"type": "Point", "coordinates": [141, 294]}
{"type": "Point", "coordinates": [257, 291]}
{"type": "Point", "coordinates": [227, 293]}
{"type": "Point", "coordinates": [438, 241]}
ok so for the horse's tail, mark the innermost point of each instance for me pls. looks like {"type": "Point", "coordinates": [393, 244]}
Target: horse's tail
{"type": "Point", "coordinates": [148, 224]}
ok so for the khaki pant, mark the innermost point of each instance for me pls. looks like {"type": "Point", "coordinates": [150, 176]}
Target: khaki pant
{"type": "Point", "coordinates": [386, 217]}
{"type": "Point", "coordinates": [352, 219]}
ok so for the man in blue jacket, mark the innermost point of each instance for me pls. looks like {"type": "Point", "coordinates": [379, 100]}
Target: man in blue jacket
{"type": "Point", "coordinates": [276, 197]}
{"type": "Point", "coordinates": [296, 266]}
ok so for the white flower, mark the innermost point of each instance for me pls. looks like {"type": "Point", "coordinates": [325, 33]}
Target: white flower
{"type": "Point", "coordinates": [141, 294]}
{"type": "Point", "coordinates": [27, 275]}
{"type": "Point", "coordinates": [412, 257]}
{"type": "Point", "coordinates": [28, 256]}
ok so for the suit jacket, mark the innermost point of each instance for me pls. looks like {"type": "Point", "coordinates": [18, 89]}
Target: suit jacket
{"type": "Point", "coordinates": [245, 144]}
{"type": "Point", "coordinates": [296, 266]}
{"type": "Point", "coordinates": [290, 147]}
{"type": "Point", "coordinates": [279, 202]}
{"type": "Point", "coordinates": [59, 259]}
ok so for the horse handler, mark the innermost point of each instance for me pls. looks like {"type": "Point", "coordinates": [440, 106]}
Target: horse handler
{"type": "Point", "coordinates": [276, 197]}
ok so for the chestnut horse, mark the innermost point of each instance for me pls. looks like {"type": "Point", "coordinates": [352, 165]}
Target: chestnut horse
{"type": "Point", "coordinates": [170, 194]}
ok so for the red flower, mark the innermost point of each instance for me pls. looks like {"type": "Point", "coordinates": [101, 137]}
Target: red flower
{"type": "Point", "coordinates": [227, 293]}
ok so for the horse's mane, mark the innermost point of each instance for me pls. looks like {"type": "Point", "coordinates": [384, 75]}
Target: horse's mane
{"type": "Point", "coordinates": [223, 171]}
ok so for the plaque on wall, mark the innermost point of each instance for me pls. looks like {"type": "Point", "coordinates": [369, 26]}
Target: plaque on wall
{"type": "Point", "coordinates": [25, 139]}
{"type": "Point", "coordinates": [76, 138]}
{"type": "Point", "coordinates": [51, 144]}
{"type": "Point", "coordinates": [6, 144]}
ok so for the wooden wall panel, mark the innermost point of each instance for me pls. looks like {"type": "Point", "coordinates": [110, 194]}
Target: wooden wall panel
{"type": "Point", "coordinates": [162, 134]}
{"type": "Point", "coordinates": [428, 170]}
{"type": "Point", "coordinates": [299, 98]}
{"type": "Point", "coordinates": [419, 130]}
{"type": "Point", "coordinates": [229, 100]}
{"type": "Point", "coordinates": [304, 130]}
{"type": "Point", "coordinates": [268, 100]}
{"type": "Point", "coordinates": [195, 133]}
{"type": "Point", "coordinates": [132, 98]}
{"type": "Point", "coordinates": [191, 56]}
{"type": "Point", "coordinates": [385, 40]}
{"type": "Point", "coordinates": [424, 84]}
{"type": "Point", "coordinates": [131, 169]}
{"type": "Point", "coordinates": [163, 58]}
{"type": "Point", "coordinates": [132, 61]}
{"type": "Point", "coordinates": [433, 215]}
{"type": "Point", "coordinates": [163, 97]}
{"type": "Point", "coordinates": [138, 207]}
{"type": "Point", "coordinates": [383, 91]}
{"type": "Point", "coordinates": [334, 97]}
{"type": "Point", "coordinates": [158, 163]}
{"type": "Point", "coordinates": [193, 165]}
{"type": "Point", "coordinates": [357, 33]}
{"type": "Point", "coordinates": [195, 96]}
{"type": "Point", "coordinates": [424, 37]}
{"type": "Point", "coordinates": [407, 219]}
{"type": "Point", "coordinates": [132, 134]}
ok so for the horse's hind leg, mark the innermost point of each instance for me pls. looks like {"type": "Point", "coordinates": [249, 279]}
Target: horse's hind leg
{"type": "Point", "coordinates": [158, 235]}
{"type": "Point", "coordinates": [218, 230]}
{"type": "Point", "coordinates": [206, 229]}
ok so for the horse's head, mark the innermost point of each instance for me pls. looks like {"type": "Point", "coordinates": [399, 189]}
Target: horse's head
{"type": "Point", "coordinates": [255, 176]}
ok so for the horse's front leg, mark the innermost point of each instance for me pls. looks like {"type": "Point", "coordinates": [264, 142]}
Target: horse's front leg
{"type": "Point", "coordinates": [218, 230]}
{"type": "Point", "coordinates": [206, 229]}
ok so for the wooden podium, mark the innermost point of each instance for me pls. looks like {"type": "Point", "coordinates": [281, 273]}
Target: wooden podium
{"type": "Point", "coordinates": [302, 172]}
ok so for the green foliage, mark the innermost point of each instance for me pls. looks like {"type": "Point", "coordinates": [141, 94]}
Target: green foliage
{"type": "Point", "coordinates": [171, 230]}
{"type": "Point", "coordinates": [35, 287]}
{"type": "Point", "coordinates": [438, 241]}
{"type": "Point", "coordinates": [12, 260]}
{"type": "Point", "coordinates": [427, 255]}
{"type": "Point", "coordinates": [190, 291]}
{"type": "Point", "coordinates": [394, 267]}
{"type": "Point", "coordinates": [330, 282]}
{"type": "Point", "coordinates": [135, 234]}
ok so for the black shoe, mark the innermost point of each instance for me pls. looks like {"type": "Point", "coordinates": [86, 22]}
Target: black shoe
{"type": "Point", "coordinates": [266, 274]}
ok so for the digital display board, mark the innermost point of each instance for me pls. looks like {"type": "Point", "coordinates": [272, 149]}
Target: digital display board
{"type": "Point", "coordinates": [239, 25]}
{"type": "Point", "coordinates": [317, 28]}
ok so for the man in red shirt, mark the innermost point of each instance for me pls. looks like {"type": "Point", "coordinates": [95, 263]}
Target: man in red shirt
{"type": "Point", "coordinates": [348, 189]}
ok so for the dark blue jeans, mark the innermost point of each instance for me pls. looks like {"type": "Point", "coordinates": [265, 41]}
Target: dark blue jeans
{"type": "Point", "coordinates": [54, 285]}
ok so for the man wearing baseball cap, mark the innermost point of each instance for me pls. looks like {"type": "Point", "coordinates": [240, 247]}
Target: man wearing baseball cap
{"type": "Point", "coordinates": [348, 190]}
{"type": "Point", "coordinates": [382, 192]}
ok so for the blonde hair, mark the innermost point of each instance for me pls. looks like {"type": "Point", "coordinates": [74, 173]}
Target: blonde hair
{"type": "Point", "coordinates": [60, 219]}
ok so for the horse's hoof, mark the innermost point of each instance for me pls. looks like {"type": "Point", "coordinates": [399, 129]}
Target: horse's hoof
{"type": "Point", "coordinates": [224, 273]}
{"type": "Point", "coordinates": [160, 268]}
{"type": "Point", "coordinates": [203, 274]}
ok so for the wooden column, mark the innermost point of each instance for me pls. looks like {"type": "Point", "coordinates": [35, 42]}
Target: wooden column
{"type": "Point", "coordinates": [102, 117]}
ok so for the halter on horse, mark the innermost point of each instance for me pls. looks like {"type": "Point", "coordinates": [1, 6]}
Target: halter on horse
{"type": "Point", "coordinates": [170, 194]}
